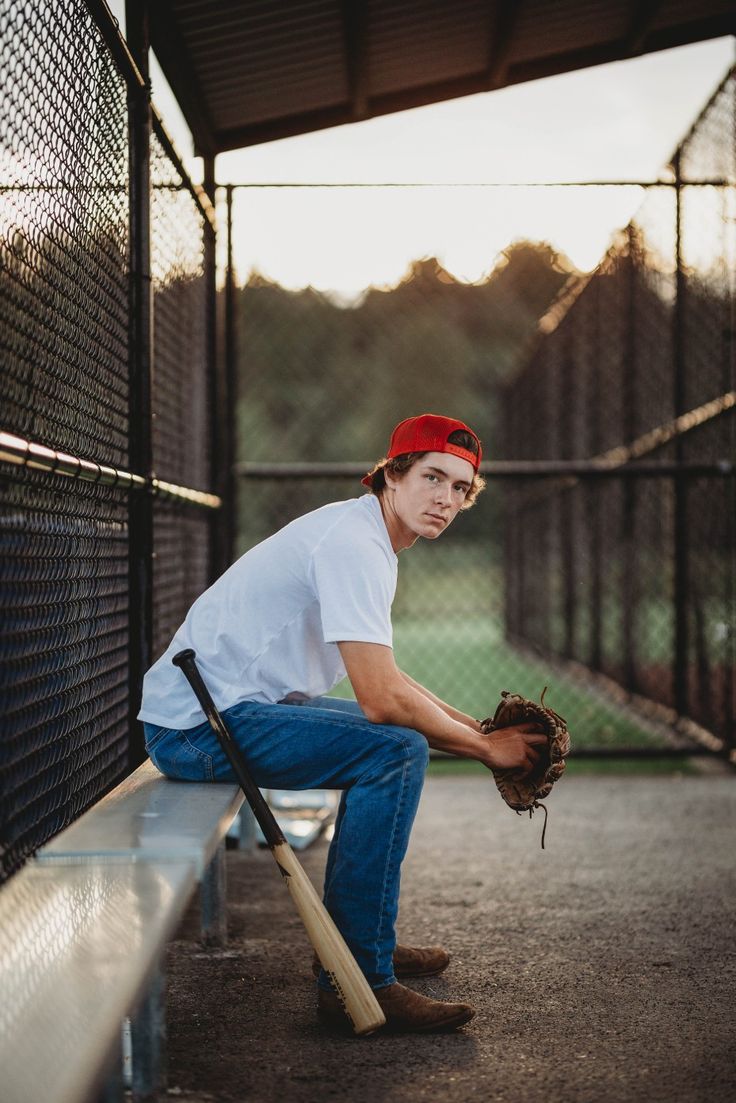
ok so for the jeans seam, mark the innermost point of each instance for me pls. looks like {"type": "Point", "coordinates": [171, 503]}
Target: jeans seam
{"type": "Point", "coordinates": [396, 739]}
{"type": "Point", "coordinates": [336, 841]}
{"type": "Point", "coordinates": [341, 719]}
{"type": "Point", "coordinates": [206, 759]}
{"type": "Point", "coordinates": [390, 848]}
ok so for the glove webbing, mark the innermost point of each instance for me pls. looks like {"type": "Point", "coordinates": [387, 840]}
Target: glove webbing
{"type": "Point", "coordinates": [536, 803]}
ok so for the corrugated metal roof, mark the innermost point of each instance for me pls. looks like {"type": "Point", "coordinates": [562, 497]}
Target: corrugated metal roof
{"type": "Point", "coordinates": [249, 71]}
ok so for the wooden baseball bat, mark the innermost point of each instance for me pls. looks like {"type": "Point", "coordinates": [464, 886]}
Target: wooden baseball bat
{"type": "Point", "coordinates": [356, 995]}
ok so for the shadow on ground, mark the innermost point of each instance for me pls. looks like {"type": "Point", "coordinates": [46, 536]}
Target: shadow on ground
{"type": "Point", "coordinates": [602, 968]}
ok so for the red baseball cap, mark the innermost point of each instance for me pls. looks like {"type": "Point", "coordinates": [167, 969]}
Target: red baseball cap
{"type": "Point", "coordinates": [429, 433]}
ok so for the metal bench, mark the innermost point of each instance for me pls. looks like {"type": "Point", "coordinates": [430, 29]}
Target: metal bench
{"type": "Point", "coordinates": [84, 926]}
{"type": "Point", "coordinates": [80, 949]}
{"type": "Point", "coordinates": [149, 817]}
{"type": "Point", "coordinates": [83, 929]}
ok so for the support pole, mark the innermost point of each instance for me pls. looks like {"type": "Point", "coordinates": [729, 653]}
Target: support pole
{"type": "Point", "coordinates": [213, 897]}
{"type": "Point", "coordinates": [568, 506]}
{"type": "Point", "coordinates": [594, 495]}
{"type": "Point", "coordinates": [680, 671]}
{"type": "Point", "coordinates": [215, 380]}
{"type": "Point", "coordinates": [113, 1090]}
{"type": "Point", "coordinates": [148, 1036]}
{"type": "Point", "coordinates": [629, 491]}
{"type": "Point", "coordinates": [229, 492]}
{"type": "Point", "coordinates": [140, 513]}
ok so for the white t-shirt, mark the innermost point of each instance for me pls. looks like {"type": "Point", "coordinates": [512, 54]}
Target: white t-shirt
{"type": "Point", "coordinates": [270, 624]}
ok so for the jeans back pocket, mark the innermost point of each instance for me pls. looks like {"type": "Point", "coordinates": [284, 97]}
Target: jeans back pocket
{"type": "Point", "coordinates": [175, 757]}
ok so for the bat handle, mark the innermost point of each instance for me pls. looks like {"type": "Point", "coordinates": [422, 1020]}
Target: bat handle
{"type": "Point", "coordinates": [187, 662]}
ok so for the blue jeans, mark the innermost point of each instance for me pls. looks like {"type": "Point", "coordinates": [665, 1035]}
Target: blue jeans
{"type": "Point", "coordinates": [326, 743]}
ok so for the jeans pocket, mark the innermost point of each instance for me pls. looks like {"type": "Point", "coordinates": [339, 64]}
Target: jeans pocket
{"type": "Point", "coordinates": [171, 752]}
{"type": "Point", "coordinates": [153, 736]}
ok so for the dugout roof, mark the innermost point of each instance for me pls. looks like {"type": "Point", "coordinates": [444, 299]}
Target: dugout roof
{"type": "Point", "coordinates": [251, 71]}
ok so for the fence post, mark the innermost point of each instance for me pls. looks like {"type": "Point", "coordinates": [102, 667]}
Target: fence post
{"type": "Point", "coordinates": [680, 668]}
{"type": "Point", "coordinates": [628, 490]}
{"type": "Point", "coordinates": [217, 397]}
{"type": "Point", "coordinates": [593, 494]}
{"type": "Point", "coordinates": [567, 519]}
{"type": "Point", "coordinates": [230, 482]}
{"type": "Point", "coordinates": [510, 497]}
{"type": "Point", "coordinates": [140, 517]}
{"type": "Point", "coordinates": [541, 600]}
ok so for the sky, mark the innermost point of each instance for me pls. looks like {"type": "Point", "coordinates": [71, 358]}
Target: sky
{"type": "Point", "coordinates": [620, 121]}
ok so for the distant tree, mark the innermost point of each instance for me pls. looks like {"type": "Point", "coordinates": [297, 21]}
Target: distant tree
{"type": "Point", "coordinates": [325, 382]}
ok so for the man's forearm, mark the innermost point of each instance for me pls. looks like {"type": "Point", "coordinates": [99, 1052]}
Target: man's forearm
{"type": "Point", "coordinates": [409, 706]}
{"type": "Point", "coordinates": [514, 748]}
{"type": "Point", "coordinates": [389, 697]}
{"type": "Point", "coordinates": [453, 713]}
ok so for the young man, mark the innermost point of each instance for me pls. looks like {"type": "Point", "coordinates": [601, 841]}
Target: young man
{"type": "Point", "coordinates": [276, 632]}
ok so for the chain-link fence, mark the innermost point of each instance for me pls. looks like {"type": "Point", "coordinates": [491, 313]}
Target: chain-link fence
{"type": "Point", "coordinates": [616, 592]}
{"type": "Point", "coordinates": [182, 399]}
{"type": "Point", "coordinates": [83, 222]}
{"type": "Point", "coordinates": [637, 574]}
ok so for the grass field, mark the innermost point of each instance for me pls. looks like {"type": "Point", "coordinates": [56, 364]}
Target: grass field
{"type": "Point", "coordinates": [448, 619]}
{"type": "Point", "coordinates": [446, 767]}
{"type": "Point", "coordinates": [464, 661]}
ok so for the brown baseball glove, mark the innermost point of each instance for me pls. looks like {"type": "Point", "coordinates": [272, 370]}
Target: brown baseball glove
{"type": "Point", "coordinates": [525, 794]}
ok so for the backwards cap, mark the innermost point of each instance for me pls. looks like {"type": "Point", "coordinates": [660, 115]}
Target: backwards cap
{"type": "Point", "coordinates": [429, 433]}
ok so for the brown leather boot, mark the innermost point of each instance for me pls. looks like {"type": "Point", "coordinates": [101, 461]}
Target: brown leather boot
{"type": "Point", "coordinates": [411, 961]}
{"type": "Point", "coordinates": [406, 1011]}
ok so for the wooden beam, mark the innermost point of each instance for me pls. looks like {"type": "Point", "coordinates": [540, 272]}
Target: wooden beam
{"type": "Point", "coordinates": [174, 58]}
{"type": "Point", "coordinates": [643, 14]}
{"type": "Point", "coordinates": [355, 34]}
{"type": "Point", "coordinates": [505, 20]}
{"type": "Point", "coordinates": [255, 133]}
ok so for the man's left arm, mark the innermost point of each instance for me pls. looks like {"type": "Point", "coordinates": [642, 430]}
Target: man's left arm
{"type": "Point", "coordinates": [454, 714]}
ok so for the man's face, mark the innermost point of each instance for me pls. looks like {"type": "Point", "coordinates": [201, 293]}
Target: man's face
{"type": "Point", "coordinates": [423, 501]}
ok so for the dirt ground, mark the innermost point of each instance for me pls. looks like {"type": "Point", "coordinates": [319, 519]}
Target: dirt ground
{"type": "Point", "coordinates": [603, 968]}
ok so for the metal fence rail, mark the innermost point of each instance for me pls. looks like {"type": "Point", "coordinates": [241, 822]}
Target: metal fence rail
{"type": "Point", "coordinates": [95, 209]}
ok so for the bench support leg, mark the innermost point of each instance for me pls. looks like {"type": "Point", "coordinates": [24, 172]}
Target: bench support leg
{"type": "Point", "coordinates": [148, 1035]}
{"type": "Point", "coordinates": [213, 898]}
{"type": "Point", "coordinates": [113, 1090]}
{"type": "Point", "coordinates": [247, 835]}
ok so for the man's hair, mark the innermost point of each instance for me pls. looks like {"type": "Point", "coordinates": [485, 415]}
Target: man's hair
{"type": "Point", "coordinates": [399, 465]}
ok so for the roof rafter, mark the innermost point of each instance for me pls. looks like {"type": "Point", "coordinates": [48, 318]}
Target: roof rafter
{"type": "Point", "coordinates": [355, 26]}
{"type": "Point", "coordinates": [642, 18]}
{"type": "Point", "coordinates": [252, 71]}
{"type": "Point", "coordinates": [174, 58]}
{"type": "Point", "coordinates": [503, 23]}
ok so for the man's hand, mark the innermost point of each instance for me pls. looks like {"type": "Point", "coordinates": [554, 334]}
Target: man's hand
{"type": "Point", "coordinates": [387, 697]}
{"type": "Point", "coordinates": [514, 748]}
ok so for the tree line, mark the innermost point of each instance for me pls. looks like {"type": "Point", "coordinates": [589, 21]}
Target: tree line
{"type": "Point", "coordinates": [323, 382]}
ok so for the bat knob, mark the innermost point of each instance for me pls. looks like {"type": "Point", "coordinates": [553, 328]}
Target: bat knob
{"type": "Point", "coordinates": [184, 656]}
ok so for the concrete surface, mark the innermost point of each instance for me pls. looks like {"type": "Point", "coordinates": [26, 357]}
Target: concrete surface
{"type": "Point", "coordinates": [602, 968]}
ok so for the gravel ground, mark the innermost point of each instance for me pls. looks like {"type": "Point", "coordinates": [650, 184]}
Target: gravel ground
{"type": "Point", "coordinates": [602, 968]}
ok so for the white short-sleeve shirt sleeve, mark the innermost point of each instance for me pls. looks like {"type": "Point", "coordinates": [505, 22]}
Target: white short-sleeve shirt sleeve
{"type": "Point", "coordinates": [355, 581]}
